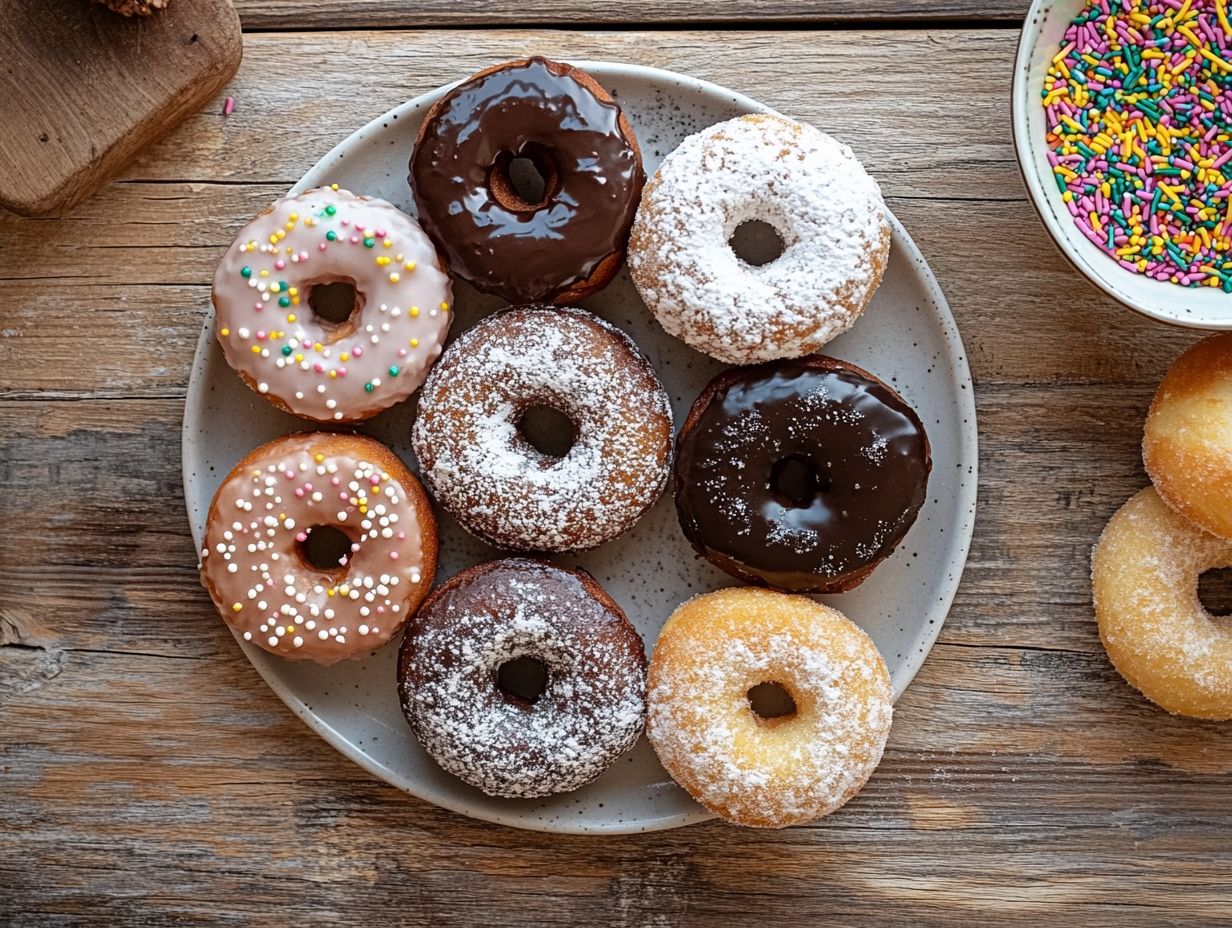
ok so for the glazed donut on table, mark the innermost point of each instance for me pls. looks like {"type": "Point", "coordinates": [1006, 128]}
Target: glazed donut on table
{"type": "Point", "coordinates": [572, 241]}
{"type": "Point", "coordinates": [1187, 447]}
{"type": "Point", "coordinates": [592, 705]}
{"type": "Point", "coordinates": [343, 371]}
{"type": "Point", "coordinates": [254, 559]}
{"type": "Point", "coordinates": [752, 770]}
{"type": "Point", "coordinates": [1145, 572]}
{"type": "Point", "coordinates": [802, 475]}
{"type": "Point", "coordinates": [481, 468]}
{"type": "Point", "coordinates": [826, 209]}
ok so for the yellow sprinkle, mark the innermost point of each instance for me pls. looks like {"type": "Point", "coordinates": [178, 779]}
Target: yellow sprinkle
{"type": "Point", "coordinates": [414, 311]}
{"type": "Point", "coordinates": [318, 458]}
{"type": "Point", "coordinates": [344, 357]}
{"type": "Point", "coordinates": [225, 332]}
{"type": "Point", "coordinates": [409, 266]}
{"type": "Point", "coordinates": [330, 591]}
{"type": "Point", "coordinates": [295, 217]}
{"type": "Point", "coordinates": [273, 239]}
{"type": "Point", "coordinates": [445, 306]}
{"type": "Point", "coordinates": [318, 347]}
{"type": "Point", "coordinates": [382, 260]}
{"type": "Point", "coordinates": [333, 186]}
{"type": "Point", "coordinates": [256, 349]}
{"type": "Point", "coordinates": [236, 607]}
{"type": "Point", "coordinates": [414, 343]}
{"type": "Point", "coordinates": [388, 243]}
{"type": "Point", "coordinates": [299, 357]}
{"type": "Point", "coordinates": [264, 273]}
{"type": "Point", "coordinates": [333, 375]}
{"type": "Point", "coordinates": [294, 291]}
{"type": "Point", "coordinates": [290, 317]}
{"type": "Point", "coordinates": [394, 278]}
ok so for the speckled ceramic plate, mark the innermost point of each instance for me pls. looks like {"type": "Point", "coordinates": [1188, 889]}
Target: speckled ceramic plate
{"type": "Point", "coordinates": [907, 337]}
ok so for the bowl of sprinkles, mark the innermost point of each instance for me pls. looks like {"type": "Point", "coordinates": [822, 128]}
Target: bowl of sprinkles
{"type": "Point", "coordinates": [1122, 116]}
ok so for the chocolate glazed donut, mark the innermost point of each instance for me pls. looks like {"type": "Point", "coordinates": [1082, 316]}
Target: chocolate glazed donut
{"type": "Point", "coordinates": [801, 475]}
{"type": "Point", "coordinates": [571, 242]}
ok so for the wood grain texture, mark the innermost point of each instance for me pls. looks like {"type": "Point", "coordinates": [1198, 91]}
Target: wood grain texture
{"type": "Point", "coordinates": [148, 777]}
{"type": "Point", "coordinates": [83, 90]}
{"type": "Point", "coordinates": [367, 14]}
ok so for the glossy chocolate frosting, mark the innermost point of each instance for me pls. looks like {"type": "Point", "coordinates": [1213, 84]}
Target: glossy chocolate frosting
{"type": "Point", "coordinates": [491, 237]}
{"type": "Point", "coordinates": [801, 475]}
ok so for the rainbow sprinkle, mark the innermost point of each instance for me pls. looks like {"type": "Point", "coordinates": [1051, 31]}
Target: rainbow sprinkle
{"type": "Point", "coordinates": [1139, 113]}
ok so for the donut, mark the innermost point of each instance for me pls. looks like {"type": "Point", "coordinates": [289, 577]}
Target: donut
{"type": "Point", "coordinates": [1160, 638]}
{"type": "Point", "coordinates": [801, 475]}
{"type": "Point", "coordinates": [826, 209]}
{"type": "Point", "coordinates": [1187, 448]}
{"type": "Point", "coordinates": [257, 557]}
{"type": "Point", "coordinates": [265, 293]}
{"type": "Point", "coordinates": [767, 772]}
{"type": "Point", "coordinates": [478, 464]}
{"type": "Point", "coordinates": [591, 705]}
{"type": "Point", "coordinates": [571, 241]}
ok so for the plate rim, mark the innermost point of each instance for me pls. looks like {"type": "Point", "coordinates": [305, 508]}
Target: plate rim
{"type": "Point", "coordinates": [960, 374]}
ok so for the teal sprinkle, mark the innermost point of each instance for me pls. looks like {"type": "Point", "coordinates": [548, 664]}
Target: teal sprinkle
{"type": "Point", "coordinates": [369, 242]}
{"type": "Point", "coordinates": [286, 349]}
{"type": "Point", "coordinates": [245, 271]}
{"type": "Point", "coordinates": [393, 370]}
{"type": "Point", "coordinates": [368, 387]}
{"type": "Point", "coordinates": [331, 235]}
{"type": "Point", "coordinates": [284, 301]}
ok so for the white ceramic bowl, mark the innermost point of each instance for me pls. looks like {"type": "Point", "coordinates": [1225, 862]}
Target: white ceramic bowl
{"type": "Point", "coordinates": [1195, 307]}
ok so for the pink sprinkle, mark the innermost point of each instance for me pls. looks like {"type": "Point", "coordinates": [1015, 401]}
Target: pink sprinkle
{"type": "Point", "coordinates": [342, 372]}
{"type": "Point", "coordinates": [258, 306]}
{"type": "Point", "coordinates": [260, 335]}
{"type": "Point", "coordinates": [301, 537]}
{"type": "Point", "coordinates": [319, 367]}
{"type": "Point", "coordinates": [321, 247]}
{"type": "Point", "coordinates": [357, 351]}
{"type": "Point", "coordinates": [299, 492]}
{"type": "Point", "coordinates": [354, 239]}
{"type": "Point", "coordinates": [393, 555]}
{"type": "Point", "coordinates": [308, 486]}
{"type": "Point", "coordinates": [380, 610]}
{"type": "Point", "coordinates": [228, 107]}
{"type": "Point", "coordinates": [359, 227]}
{"type": "Point", "coordinates": [289, 474]}
{"type": "Point", "coordinates": [279, 264]}
{"type": "Point", "coordinates": [307, 343]}
{"type": "Point", "coordinates": [334, 481]}
{"type": "Point", "coordinates": [402, 352]}
{"type": "Point", "coordinates": [375, 480]}
{"type": "Point", "coordinates": [402, 536]}
{"type": "Point", "coordinates": [344, 222]}
{"type": "Point", "coordinates": [380, 233]}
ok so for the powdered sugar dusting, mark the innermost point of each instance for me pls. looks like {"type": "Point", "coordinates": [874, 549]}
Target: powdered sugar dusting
{"type": "Point", "coordinates": [590, 713]}
{"type": "Point", "coordinates": [708, 737]}
{"type": "Point", "coordinates": [827, 210]}
{"type": "Point", "coordinates": [493, 481]}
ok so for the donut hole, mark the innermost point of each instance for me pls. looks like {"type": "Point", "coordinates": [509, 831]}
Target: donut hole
{"type": "Point", "coordinates": [522, 680]}
{"type": "Point", "coordinates": [326, 548]}
{"type": "Point", "coordinates": [771, 701]}
{"type": "Point", "coordinates": [548, 430]}
{"type": "Point", "coordinates": [756, 243]}
{"type": "Point", "coordinates": [524, 181]}
{"type": "Point", "coordinates": [334, 302]}
{"type": "Point", "coordinates": [796, 481]}
{"type": "Point", "coordinates": [1215, 592]}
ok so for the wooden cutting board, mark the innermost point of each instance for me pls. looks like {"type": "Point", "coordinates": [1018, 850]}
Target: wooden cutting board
{"type": "Point", "coordinates": [82, 89]}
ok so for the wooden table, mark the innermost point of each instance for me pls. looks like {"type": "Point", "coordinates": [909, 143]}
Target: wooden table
{"type": "Point", "coordinates": [147, 775]}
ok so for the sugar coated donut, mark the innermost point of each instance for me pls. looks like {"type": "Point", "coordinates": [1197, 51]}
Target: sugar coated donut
{"type": "Point", "coordinates": [767, 772]}
{"type": "Point", "coordinates": [1188, 444]}
{"type": "Point", "coordinates": [479, 465]}
{"type": "Point", "coordinates": [257, 560]}
{"type": "Point", "coordinates": [588, 711]}
{"type": "Point", "coordinates": [802, 475]}
{"type": "Point", "coordinates": [1159, 636]}
{"type": "Point", "coordinates": [571, 240]}
{"type": "Point", "coordinates": [332, 371]}
{"type": "Point", "coordinates": [826, 209]}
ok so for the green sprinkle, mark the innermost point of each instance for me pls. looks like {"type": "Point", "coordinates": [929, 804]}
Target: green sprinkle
{"type": "Point", "coordinates": [368, 387]}
{"type": "Point", "coordinates": [331, 210]}
{"type": "Point", "coordinates": [245, 271]}
{"type": "Point", "coordinates": [369, 242]}
{"type": "Point", "coordinates": [393, 370]}
{"type": "Point", "coordinates": [332, 235]}
{"type": "Point", "coordinates": [286, 349]}
{"type": "Point", "coordinates": [284, 301]}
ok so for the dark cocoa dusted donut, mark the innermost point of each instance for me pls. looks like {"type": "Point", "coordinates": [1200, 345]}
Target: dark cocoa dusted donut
{"type": "Point", "coordinates": [453, 669]}
{"type": "Point", "coordinates": [571, 242]}
{"type": "Point", "coordinates": [801, 475]}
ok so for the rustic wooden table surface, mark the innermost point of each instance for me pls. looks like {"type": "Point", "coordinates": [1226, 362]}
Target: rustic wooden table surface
{"type": "Point", "coordinates": [148, 776]}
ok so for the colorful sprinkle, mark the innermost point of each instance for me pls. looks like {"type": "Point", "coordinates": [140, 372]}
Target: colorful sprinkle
{"type": "Point", "coordinates": [1138, 105]}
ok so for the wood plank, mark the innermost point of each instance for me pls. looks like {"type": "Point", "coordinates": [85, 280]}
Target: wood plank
{"type": "Point", "coordinates": [389, 14]}
{"type": "Point", "coordinates": [149, 777]}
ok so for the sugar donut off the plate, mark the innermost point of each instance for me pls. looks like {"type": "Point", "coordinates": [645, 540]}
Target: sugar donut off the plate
{"type": "Point", "coordinates": [1138, 107]}
{"type": "Point", "coordinates": [767, 772]}
{"type": "Point", "coordinates": [802, 474]}
{"type": "Point", "coordinates": [592, 705]}
{"type": "Point", "coordinates": [253, 555]}
{"type": "Point", "coordinates": [822, 203]}
{"type": "Point", "coordinates": [342, 371]}
{"type": "Point", "coordinates": [481, 468]}
{"type": "Point", "coordinates": [1187, 447]}
{"type": "Point", "coordinates": [571, 241]}
{"type": "Point", "coordinates": [1160, 637]}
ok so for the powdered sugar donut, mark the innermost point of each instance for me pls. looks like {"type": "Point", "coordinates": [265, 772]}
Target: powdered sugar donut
{"type": "Point", "coordinates": [767, 772]}
{"type": "Point", "coordinates": [588, 711]}
{"type": "Point", "coordinates": [257, 555]}
{"type": "Point", "coordinates": [1145, 572]}
{"type": "Point", "coordinates": [332, 371]}
{"type": "Point", "coordinates": [479, 465]}
{"type": "Point", "coordinates": [826, 209]}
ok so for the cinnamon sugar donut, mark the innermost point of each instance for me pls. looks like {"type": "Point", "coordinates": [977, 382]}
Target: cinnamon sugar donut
{"type": "Point", "coordinates": [1145, 572]}
{"type": "Point", "coordinates": [256, 564]}
{"type": "Point", "coordinates": [1187, 448]}
{"type": "Point", "coordinates": [592, 703]}
{"type": "Point", "coordinates": [481, 468]}
{"type": "Point", "coordinates": [332, 371]}
{"type": "Point", "coordinates": [826, 209]}
{"type": "Point", "coordinates": [767, 772]}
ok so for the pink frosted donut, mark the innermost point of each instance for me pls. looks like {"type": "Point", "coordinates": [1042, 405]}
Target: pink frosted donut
{"type": "Point", "coordinates": [332, 371]}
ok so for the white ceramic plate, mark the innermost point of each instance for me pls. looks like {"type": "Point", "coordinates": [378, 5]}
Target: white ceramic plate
{"type": "Point", "coordinates": [908, 337]}
{"type": "Point", "coordinates": [1195, 307]}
